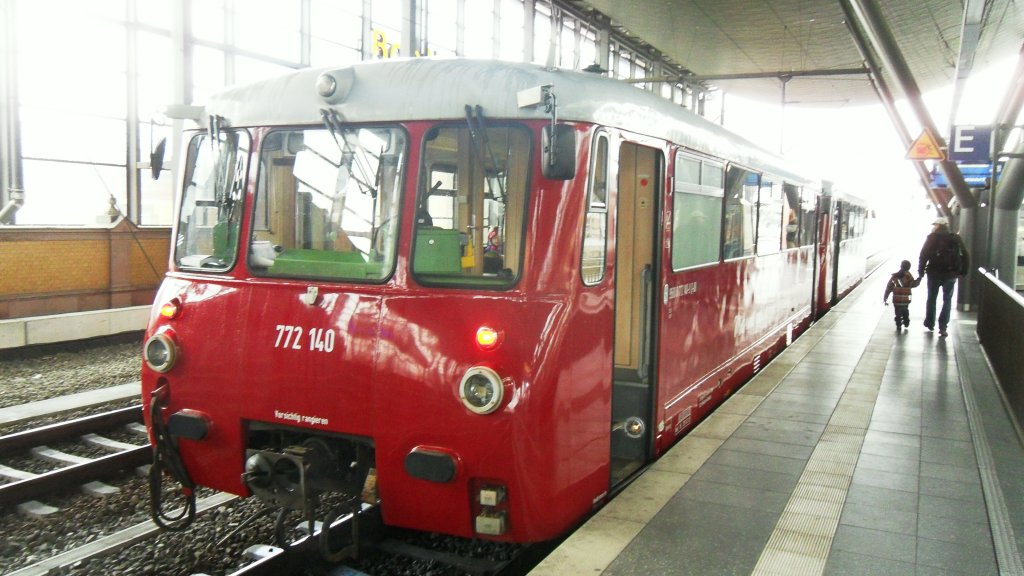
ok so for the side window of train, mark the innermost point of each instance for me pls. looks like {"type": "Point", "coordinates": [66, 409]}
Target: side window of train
{"type": "Point", "coordinates": [808, 221]}
{"type": "Point", "coordinates": [844, 222]}
{"type": "Point", "coordinates": [696, 212]}
{"type": "Point", "coordinates": [791, 215]}
{"type": "Point", "coordinates": [595, 227]}
{"type": "Point", "coordinates": [740, 212]}
{"type": "Point", "coordinates": [769, 216]}
{"type": "Point", "coordinates": [859, 219]}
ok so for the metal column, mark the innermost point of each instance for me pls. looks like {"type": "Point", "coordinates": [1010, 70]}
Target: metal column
{"type": "Point", "coordinates": [11, 184]}
{"type": "Point", "coordinates": [885, 96]}
{"type": "Point", "coordinates": [880, 36]}
{"type": "Point", "coordinates": [1008, 192]}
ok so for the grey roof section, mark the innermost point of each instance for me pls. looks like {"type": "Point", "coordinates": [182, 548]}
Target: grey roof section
{"type": "Point", "coordinates": [437, 88]}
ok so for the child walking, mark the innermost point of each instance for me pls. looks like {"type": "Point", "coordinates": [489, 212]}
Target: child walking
{"type": "Point", "coordinates": [900, 285]}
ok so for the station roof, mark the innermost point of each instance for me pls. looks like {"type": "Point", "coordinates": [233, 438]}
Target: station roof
{"type": "Point", "coordinates": [728, 38]}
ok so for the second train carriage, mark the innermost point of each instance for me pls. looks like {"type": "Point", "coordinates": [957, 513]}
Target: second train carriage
{"type": "Point", "coordinates": [484, 294]}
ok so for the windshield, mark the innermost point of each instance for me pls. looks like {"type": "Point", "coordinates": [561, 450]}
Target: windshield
{"type": "Point", "coordinates": [327, 203]}
{"type": "Point", "coordinates": [471, 205]}
{"type": "Point", "coordinates": [211, 208]}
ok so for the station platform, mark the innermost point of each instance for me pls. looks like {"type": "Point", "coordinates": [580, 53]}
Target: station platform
{"type": "Point", "coordinates": [858, 450]}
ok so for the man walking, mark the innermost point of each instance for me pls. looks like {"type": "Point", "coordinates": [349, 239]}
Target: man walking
{"type": "Point", "coordinates": [944, 257]}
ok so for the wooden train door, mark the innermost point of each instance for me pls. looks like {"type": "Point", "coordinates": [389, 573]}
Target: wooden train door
{"type": "Point", "coordinates": [823, 255]}
{"type": "Point", "coordinates": [635, 278]}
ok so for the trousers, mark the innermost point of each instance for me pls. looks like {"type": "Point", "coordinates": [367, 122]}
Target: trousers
{"type": "Point", "coordinates": [935, 283]}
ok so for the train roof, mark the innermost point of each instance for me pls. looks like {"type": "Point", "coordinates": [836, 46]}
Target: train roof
{"type": "Point", "coordinates": [440, 88]}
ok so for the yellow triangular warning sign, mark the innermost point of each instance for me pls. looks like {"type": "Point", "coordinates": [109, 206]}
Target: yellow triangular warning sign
{"type": "Point", "coordinates": [925, 148]}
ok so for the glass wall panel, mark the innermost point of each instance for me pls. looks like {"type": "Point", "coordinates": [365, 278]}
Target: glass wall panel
{"type": "Point", "coordinates": [511, 35]}
{"type": "Point", "coordinates": [480, 29]}
{"type": "Point", "coordinates": [76, 137]}
{"type": "Point", "coordinates": [386, 21]}
{"type": "Point", "coordinates": [442, 17]}
{"type": "Point", "coordinates": [207, 72]}
{"type": "Point", "coordinates": [208, 20]}
{"type": "Point", "coordinates": [541, 33]}
{"type": "Point", "coordinates": [250, 69]}
{"type": "Point", "coordinates": [155, 83]}
{"type": "Point", "coordinates": [269, 27]}
{"type": "Point", "coordinates": [156, 13]}
{"type": "Point", "coordinates": [326, 53]}
{"type": "Point", "coordinates": [588, 48]}
{"type": "Point", "coordinates": [338, 23]}
{"type": "Point", "coordinates": [157, 200]}
{"type": "Point", "coordinates": [65, 194]}
{"type": "Point", "coordinates": [567, 45]}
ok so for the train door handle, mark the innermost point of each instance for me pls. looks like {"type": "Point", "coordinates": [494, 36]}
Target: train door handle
{"type": "Point", "coordinates": [646, 301]}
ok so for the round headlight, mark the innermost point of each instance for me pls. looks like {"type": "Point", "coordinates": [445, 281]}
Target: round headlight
{"type": "Point", "coordinates": [481, 390]}
{"type": "Point", "coordinates": [326, 85]}
{"type": "Point", "coordinates": [160, 352]}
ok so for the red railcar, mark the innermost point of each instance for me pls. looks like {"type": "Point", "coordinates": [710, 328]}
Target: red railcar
{"type": "Point", "coordinates": [482, 294]}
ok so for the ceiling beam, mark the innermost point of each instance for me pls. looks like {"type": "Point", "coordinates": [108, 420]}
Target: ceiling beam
{"type": "Point", "coordinates": [970, 33]}
{"type": "Point", "coordinates": [881, 87]}
{"type": "Point", "coordinates": [876, 29]}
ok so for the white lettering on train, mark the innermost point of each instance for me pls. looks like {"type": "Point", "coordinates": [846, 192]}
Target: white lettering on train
{"type": "Point", "coordinates": [317, 339]}
{"type": "Point", "coordinates": [682, 290]}
{"type": "Point", "coordinates": [301, 418]}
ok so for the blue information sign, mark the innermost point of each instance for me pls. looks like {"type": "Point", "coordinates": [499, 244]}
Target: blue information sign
{"type": "Point", "coordinates": [971, 144]}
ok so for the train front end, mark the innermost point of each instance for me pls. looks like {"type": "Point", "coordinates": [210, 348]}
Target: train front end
{"type": "Point", "coordinates": [346, 322]}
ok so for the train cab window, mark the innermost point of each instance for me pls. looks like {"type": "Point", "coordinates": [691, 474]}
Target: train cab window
{"type": "Point", "coordinates": [327, 203]}
{"type": "Point", "coordinates": [595, 228]}
{"type": "Point", "coordinates": [791, 215]}
{"type": "Point", "coordinates": [808, 219]}
{"type": "Point", "coordinates": [471, 206]}
{"type": "Point", "coordinates": [740, 212]}
{"type": "Point", "coordinates": [696, 212]}
{"type": "Point", "coordinates": [769, 216]}
{"type": "Point", "coordinates": [211, 209]}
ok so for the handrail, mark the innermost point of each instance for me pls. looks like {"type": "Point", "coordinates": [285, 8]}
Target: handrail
{"type": "Point", "coordinates": [1000, 317]}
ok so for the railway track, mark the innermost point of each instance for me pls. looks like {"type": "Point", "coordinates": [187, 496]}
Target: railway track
{"type": "Point", "coordinates": [23, 486]}
{"type": "Point", "coordinates": [388, 554]}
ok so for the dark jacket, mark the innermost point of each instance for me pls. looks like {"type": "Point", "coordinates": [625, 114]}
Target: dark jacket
{"type": "Point", "coordinates": [933, 256]}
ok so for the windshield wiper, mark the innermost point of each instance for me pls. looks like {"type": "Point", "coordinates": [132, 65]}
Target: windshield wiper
{"type": "Point", "coordinates": [333, 122]}
{"type": "Point", "coordinates": [480, 143]}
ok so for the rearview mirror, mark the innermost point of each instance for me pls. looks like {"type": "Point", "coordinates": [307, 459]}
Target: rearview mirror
{"type": "Point", "coordinates": [156, 158]}
{"type": "Point", "coordinates": [558, 152]}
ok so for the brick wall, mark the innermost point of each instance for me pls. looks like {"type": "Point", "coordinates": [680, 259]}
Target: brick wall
{"type": "Point", "coordinates": [56, 270]}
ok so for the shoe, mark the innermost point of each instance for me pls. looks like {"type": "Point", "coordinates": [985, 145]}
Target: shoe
{"type": "Point", "coordinates": [943, 333]}
{"type": "Point", "coordinates": [930, 328]}
{"type": "Point", "coordinates": [906, 323]}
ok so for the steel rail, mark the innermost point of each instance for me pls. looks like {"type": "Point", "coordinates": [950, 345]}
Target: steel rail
{"type": "Point", "coordinates": [65, 430]}
{"type": "Point", "coordinates": [23, 490]}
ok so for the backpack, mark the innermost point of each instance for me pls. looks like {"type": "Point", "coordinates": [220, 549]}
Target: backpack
{"type": "Point", "coordinates": [947, 255]}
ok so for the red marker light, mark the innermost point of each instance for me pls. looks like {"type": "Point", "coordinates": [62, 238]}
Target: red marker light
{"type": "Point", "coordinates": [171, 310]}
{"type": "Point", "coordinates": [488, 338]}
